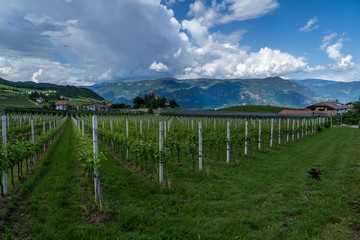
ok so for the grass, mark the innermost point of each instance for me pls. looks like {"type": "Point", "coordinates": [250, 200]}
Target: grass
{"type": "Point", "coordinates": [14, 100]}
{"type": "Point", "coordinates": [256, 108]}
{"type": "Point", "coordinates": [267, 196]}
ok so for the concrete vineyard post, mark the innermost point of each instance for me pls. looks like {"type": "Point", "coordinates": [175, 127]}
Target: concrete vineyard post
{"type": "Point", "coordinates": [161, 139]}
{"type": "Point", "coordinates": [96, 152]}
{"type": "Point", "coordinates": [259, 143]}
{"type": "Point", "coordinates": [298, 127]}
{"type": "Point", "coordinates": [228, 143]}
{"type": "Point", "coordinates": [127, 136]}
{"type": "Point", "coordinates": [279, 142]}
{"type": "Point", "coordinates": [4, 175]}
{"type": "Point", "coordinates": [246, 135]}
{"type": "Point", "coordinates": [271, 133]}
{"type": "Point", "coordinates": [200, 147]}
{"type": "Point", "coordinates": [33, 137]}
{"type": "Point", "coordinates": [192, 124]}
{"type": "Point", "coordinates": [44, 132]}
{"type": "Point", "coordinates": [293, 130]}
{"type": "Point", "coordinates": [288, 126]}
{"type": "Point", "coordinates": [82, 127]}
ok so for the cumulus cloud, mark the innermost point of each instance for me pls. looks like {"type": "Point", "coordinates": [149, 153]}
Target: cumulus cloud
{"type": "Point", "coordinates": [310, 25]}
{"type": "Point", "coordinates": [333, 50]}
{"type": "Point", "coordinates": [36, 75]}
{"type": "Point", "coordinates": [132, 39]}
{"type": "Point", "coordinates": [158, 66]}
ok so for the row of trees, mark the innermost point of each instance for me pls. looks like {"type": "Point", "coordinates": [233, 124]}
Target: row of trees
{"type": "Point", "coordinates": [154, 101]}
{"type": "Point", "coordinates": [352, 117]}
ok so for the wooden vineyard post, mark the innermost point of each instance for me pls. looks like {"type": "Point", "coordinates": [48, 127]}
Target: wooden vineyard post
{"type": "Point", "coordinates": [200, 147]}
{"type": "Point", "coordinates": [259, 143]}
{"type": "Point", "coordinates": [33, 138]}
{"type": "Point", "coordinates": [246, 136]}
{"type": "Point", "coordinates": [96, 152]}
{"type": "Point", "coordinates": [272, 133]}
{"type": "Point", "coordinates": [141, 123]}
{"type": "Point", "coordinates": [4, 175]}
{"type": "Point", "coordinates": [161, 139]}
{"type": "Point", "coordinates": [228, 143]}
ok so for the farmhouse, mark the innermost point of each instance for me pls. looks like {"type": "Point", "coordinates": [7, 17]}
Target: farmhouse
{"type": "Point", "coordinates": [167, 103]}
{"type": "Point", "coordinates": [90, 107]}
{"type": "Point", "coordinates": [61, 105]}
{"type": "Point", "coordinates": [339, 108]}
{"type": "Point", "coordinates": [40, 100]}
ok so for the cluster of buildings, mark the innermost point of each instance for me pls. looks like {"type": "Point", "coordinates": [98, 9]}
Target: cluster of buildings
{"type": "Point", "coordinates": [63, 105]}
{"type": "Point", "coordinates": [329, 108]}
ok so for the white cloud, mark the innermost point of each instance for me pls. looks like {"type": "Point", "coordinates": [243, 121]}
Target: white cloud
{"type": "Point", "coordinates": [230, 10]}
{"type": "Point", "coordinates": [334, 52]}
{"type": "Point", "coordinates": [310, 25]}
{"type": "Point", "coordinates": [159, 67]}
{"type": "Point", "coordinates": [90, 43]}
{"type": "Point", "coordinates": [36, 75]}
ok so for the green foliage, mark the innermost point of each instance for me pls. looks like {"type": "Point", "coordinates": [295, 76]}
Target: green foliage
{"type": "Point", "coordinates": [256, 108]}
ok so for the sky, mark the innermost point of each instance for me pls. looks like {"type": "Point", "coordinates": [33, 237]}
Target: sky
{"type": "Point", "coordinates": [81, 42]}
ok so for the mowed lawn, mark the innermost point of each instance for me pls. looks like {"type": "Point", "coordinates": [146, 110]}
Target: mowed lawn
{"type": "Point", "coordinates": [267, 196]}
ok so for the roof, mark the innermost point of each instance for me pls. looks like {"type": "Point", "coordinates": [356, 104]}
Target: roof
{"type": "Point", "coordinates": [307, 113]}
{"type": "Point", "coordinates": [61, 103]}
{"type": "Point", "coordinates": [333, 105]}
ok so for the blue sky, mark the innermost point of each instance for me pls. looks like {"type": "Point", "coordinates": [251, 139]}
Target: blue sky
{"type": "Point", "coordinates": [75, 42]}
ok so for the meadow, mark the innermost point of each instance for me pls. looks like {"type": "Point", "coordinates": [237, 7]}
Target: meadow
{"type": "Point", "coordinates": [303, 186]}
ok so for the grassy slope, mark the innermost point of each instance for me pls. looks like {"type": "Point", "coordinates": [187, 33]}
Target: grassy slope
{"type": "Point", "coordinates": [50, 203]}
{"type": "Point", "coordinates": [269, 196]}
{"type": "Point", "coordinates": [256, 108]}
{"type": "Point", "coordinates": [14, 100]}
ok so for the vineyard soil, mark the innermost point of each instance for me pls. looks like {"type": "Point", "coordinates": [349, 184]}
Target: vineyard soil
{"type": "Point", "coordinates": [269, 195]}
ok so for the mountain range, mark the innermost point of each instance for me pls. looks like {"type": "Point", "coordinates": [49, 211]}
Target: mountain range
{"type": "Point", "coordinates": [343, 91]}
{"type": "Point", "coordinates": [215, 93]}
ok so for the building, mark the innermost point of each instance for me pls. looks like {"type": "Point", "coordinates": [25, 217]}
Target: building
{"type": "Point", "coordinates": [306, 113]}
{"type": "Point", "coordinates": [167, 104]}
{"type": "Point", "coordinates": [40, 100]}
{"type": "Point", "coordinates": [156, 96]}
{"type": "Point", "coordinates": [339, 108]}
{"type": "Point", "coordinates": [61, 105]}
{"type": "Point", "coordinates": [90, 107]}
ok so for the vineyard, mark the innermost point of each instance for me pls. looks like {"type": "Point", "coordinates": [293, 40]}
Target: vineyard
{"type": "Point", "coordinates": [136, 176]}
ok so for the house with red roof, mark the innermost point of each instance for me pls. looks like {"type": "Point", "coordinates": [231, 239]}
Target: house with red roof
{"type": "Point", "coordinates": [61, 105]}
{"type": "Point", "coordinates": [336, 106]}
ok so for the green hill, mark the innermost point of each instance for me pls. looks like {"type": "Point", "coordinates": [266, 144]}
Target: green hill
{"type": "Point", "coordinates": [68, 91]}
{"type": "Point", "coordinates": [215, 93]}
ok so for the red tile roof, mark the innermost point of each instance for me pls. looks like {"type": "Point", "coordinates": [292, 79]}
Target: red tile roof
{"type": "Point", "coordinates": [332, 105]}
{"type": "Point", "coordinates": [61, 103]}
{"type": "Point", "coordinates": [309, 113]}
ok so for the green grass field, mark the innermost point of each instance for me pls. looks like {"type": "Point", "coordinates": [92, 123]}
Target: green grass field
{"type": "Point", "coordinates": [256, 108]}
{"type": "Point", "coordinates": [267, 196]}
{"type": "Point", "coordinates": [14, 100]}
